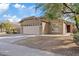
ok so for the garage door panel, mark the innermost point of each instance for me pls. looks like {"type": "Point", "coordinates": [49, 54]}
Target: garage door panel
{"type": "Point", "coordinates": [31, 29]}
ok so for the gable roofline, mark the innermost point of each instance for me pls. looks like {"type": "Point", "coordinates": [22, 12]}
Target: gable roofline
{"type": "Point", "coordinates": [42, 19]}
{"type": "Point", "coordinates": [31, 18]}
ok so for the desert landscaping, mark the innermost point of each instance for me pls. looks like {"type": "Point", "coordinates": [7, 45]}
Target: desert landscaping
{"type": "Point", "coordinates": [60, 45]}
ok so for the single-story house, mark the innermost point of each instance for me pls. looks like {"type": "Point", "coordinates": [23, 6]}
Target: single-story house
{"type": "Point", "coordinates": [39, 25]}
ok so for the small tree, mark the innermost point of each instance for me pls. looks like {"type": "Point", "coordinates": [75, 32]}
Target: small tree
{"type": "Point", "coordinates": [57, 10]}
{"type": "Point", "coordinates": [8, 26]}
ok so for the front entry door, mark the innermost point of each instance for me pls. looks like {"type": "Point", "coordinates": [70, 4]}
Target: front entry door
{"type": "Point", "coordinates": [68, 28]}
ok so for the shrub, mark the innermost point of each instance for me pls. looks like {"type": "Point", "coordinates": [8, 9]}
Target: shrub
{"type": "Point", "coordinates": [76, 38]}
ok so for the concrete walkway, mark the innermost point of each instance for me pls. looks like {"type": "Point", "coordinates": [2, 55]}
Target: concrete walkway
{"type": "Point", "coordinates": [8, 49]}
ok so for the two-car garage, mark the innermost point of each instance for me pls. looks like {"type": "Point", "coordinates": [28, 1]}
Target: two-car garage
{"type": "Point", "coordinates": [30, 25]}
{"type": "Point", "coordinates": [34, 30]}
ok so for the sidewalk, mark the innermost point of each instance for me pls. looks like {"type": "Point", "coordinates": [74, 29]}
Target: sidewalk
{"type": "Point", "coordinates": [17, 50]}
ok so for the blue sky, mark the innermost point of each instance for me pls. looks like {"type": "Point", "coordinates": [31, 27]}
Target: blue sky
{"type": "Point", "coordinates": [16, 11]}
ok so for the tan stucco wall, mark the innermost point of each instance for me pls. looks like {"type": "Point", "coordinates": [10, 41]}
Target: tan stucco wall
{"type": "Point", "coordinates": [72, 27]}
{"type": "Point", "coordinates": [64, 28]}
{"type": "Point", "coordinates": [59, 24]}
{"type": "Point", "coordinates": [45, 26]}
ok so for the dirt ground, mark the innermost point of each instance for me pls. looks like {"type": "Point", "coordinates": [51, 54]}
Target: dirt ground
{"type": "Point", "coordinates": [60, 45]}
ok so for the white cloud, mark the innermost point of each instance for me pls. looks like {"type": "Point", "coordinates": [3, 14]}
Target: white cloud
{"type": "Point", "coordinates": [31, 10]}
{"type": "Point", "coordinates": [22, 6]}
{"type": "Point", "coordinates": [19, 6]}
{"type": "Point", "coordinates": [13, 18]}
{"type": "Point", "coordinates": [32, 7]}
{"type": "Point", "coordinates": [22, 9]}
{"type": "Point", "coordinates": [6, 15]}
{"type": "Point", "coordinates": [4, 7]}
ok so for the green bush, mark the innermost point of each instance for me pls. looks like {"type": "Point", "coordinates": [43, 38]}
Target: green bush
{"type": "Point", "coordinates": [76, 38]}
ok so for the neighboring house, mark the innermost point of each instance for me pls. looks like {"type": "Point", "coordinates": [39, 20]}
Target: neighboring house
{"type": "Point", "coordinates": [16, 27]}
{"type": "Point", "coordinates": [39, 25]}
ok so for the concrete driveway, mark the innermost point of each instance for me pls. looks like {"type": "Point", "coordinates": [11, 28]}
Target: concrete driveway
{"type": "Point", "coordinates": [9, 49]}
{"type": "Point", "coordinates": [13, 38]}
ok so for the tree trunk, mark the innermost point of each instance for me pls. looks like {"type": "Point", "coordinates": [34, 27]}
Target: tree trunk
{"type": "Point", "coordinates": [1, 29]}
{"type": "Point", "coordinates": [50, 27]}
{"type": "Point", "coordinates": [76, 22]}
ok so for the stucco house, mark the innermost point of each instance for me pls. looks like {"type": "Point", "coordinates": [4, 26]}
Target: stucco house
{"type": "Point", "coordinates": [39, 25]}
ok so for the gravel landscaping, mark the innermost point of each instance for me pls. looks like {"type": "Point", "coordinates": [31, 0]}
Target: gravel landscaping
{"type": "Point", "coordinates": [60, 45]}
